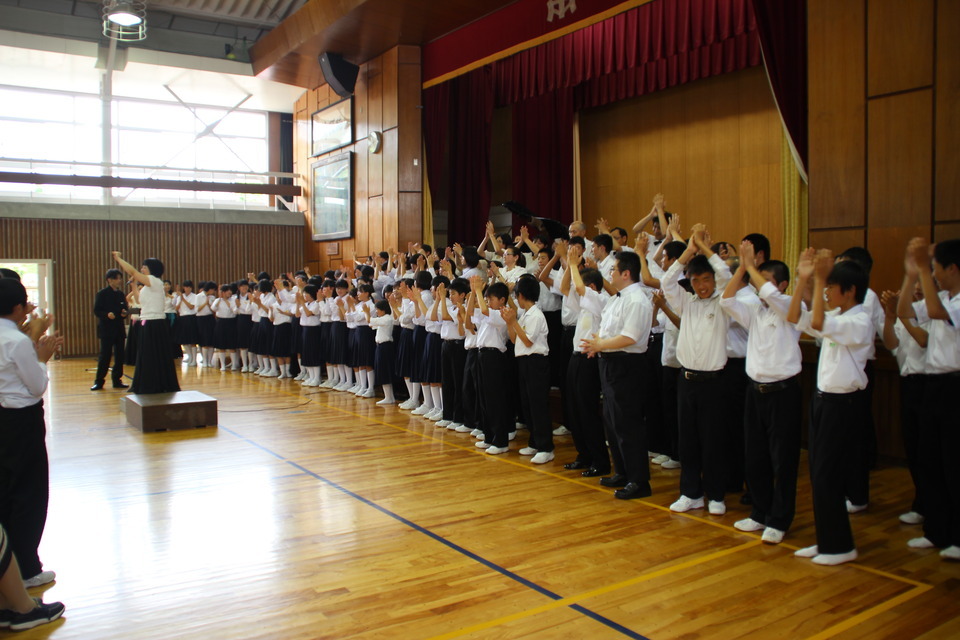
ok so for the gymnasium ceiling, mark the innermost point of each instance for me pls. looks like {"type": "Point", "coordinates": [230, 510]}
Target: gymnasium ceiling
{"type": "Point", "coordinates": [288, 34]}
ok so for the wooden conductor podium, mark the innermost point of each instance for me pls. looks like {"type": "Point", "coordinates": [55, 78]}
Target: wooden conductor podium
{"type": "Point", "coordinates": [163, 411]}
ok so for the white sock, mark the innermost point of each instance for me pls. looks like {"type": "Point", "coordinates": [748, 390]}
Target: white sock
{"type": "Point", "coordinates": [236, 359]}
{"type": "Point", "coordinates": [427, 399]}
{"type": "Point", "coordinates": [347, 374]}
{"type": "Point", "coordinates": [415, 392]}
{"type": "Point", "coordinates": [409, 384]}
{"type": "Point", "coordinates": [333, 373]}
{"type": "Point", "coordinates": [388, 393]}
{"type": "Point", "coordinates": [371, 379]}
{"type": "Point", "coordinates": [315, 374]}
{"type": "Point", "coordinates": [208, 355]}
{"type": "Point", "coordinates": [437, 397]}
{"type": "Point", "coordinates": [193, 353]}
{"type": "Point", "coordinates": [274, 366]}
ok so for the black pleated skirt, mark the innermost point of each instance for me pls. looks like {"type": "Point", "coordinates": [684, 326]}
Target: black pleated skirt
{"type": "Point", "coordinates": [244, 330]}
{"type": "Point", "coordinates": [432, 359]}
{"type": "Point", "coordinates": [416, 357]}
{"type": "Point", "coordinates": [365, 346]}
{"type": "Point", "coordinates": [205, 327]}
{"type": "Point", "coordinates": [282, 335]}
{"type": "Point", "coordinates": [325, 328]}
{"type": "Point", "coordinates": [339, 349]}
{"type": "Point", "coordinates": [263, 337]}
{"type": "Point", "coordinates": [187, 332]}
{"type": "Point", "coordinates": [296, 337]}
{"type": "Point", "coordinates": [225, 334]}
{"type": "Point", "coordinates": [384, 363]}
{"type": "Point", "coordinates": [156, 371]}
{"type": "Point", "coordinates": [310, 349]}
{"type": "Point", "coordinates": [133, 343]}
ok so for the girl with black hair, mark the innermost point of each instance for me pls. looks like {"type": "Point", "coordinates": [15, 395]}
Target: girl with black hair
{"type": "Point", "coordinates": [365, 344]}
{"type": "Point", "coordinates": [326, 325]}
{"type": "Point", "coordinates": [187, 335]}
{"type": "Point", "coordinates": [283, 308]}
{"type": "Point", "coordinates": [206, 321]}
{"type": "Point", "coordinates": [155, 372]}
{"type": "Point", "coordinates": [225, 329]}
{"type": "Point", "coordinates": [340, 349]}
{"type": "Point", "coordinates": [263, 299]}
{"type": "Point", "coordinates": [308, 309]}
{"type": "Point", "coordinates": [244, 324]}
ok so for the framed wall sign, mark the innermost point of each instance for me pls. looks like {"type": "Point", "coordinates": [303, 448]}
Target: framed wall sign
{"type": "Point", "coordinates": [331, 127]}
{"type": "Point", "coordinates": [332, 197]}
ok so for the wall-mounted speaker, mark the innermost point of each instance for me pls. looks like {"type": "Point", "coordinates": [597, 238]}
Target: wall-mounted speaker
{"type": "Point", "coordinates": [339, 74]}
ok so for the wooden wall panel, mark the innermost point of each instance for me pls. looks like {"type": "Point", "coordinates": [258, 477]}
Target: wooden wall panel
{"type": "Point", "coordinates": [899, 45]}
{"type": "Point", "coordinates": [835, 60]}
{"type": "Point", "coordinates": [946, 231]}
{"type": "Point", "coordinates": [947, 203]}
{"type": "Point", "coordinates": [80, 250]}
{"type": "Point", "coordinates": [887, 245]}
{"type": "Point", "coordinates": [386, 99]}
{"type": "Point", "coordinates": [900, 159]}
{"type": "Point", "coordinates": [711, 147]}
{"type": "Point", "coordinates": [836, 240]}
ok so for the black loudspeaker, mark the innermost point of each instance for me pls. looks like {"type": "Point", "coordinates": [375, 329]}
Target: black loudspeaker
{"type": "Point", "coordinates": [339, 74]}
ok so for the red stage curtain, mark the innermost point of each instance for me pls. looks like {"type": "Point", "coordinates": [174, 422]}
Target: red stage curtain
{"type": "Point", "coordinates": [782, 25]}
{"type": "Point", "coordinates": [471, 106]}
{"type": "Point", "coordinates": [543, 154]}
{"type": "Point", "coordinates": [436, 125]}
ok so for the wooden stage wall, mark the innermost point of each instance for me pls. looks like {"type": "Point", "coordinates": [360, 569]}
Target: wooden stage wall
{"type": "Point", "coordinates": [387, 185]}
{"type": "Point", "coordinates": [712, 147]}
{"type": "Point", "coordinates": [80, 250]}
{"type": "Point", "coordinates": [884, 79]}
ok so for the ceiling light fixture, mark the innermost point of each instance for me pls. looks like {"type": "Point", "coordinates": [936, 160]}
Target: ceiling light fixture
{"type": "Point", "coordinates": [125, 20]}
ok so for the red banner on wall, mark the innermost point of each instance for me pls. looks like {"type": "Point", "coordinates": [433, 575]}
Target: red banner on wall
{"type": "Point", "coordinates": [521, 22]}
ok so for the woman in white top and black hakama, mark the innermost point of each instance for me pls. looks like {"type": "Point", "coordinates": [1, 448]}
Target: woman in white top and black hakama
{"type": "Point", "coordinates": [155, 372]}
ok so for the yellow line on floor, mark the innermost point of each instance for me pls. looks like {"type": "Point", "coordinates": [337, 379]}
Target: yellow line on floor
{"type": "Point", "coordinates": [863, 616]}
{"type": "Point", "coordinates": [599, 591]}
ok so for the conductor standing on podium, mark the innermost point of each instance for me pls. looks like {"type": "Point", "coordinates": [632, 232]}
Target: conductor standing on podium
{"type": "Point", "coordinates": [110, 307]}
{"type": "Point", "coordinates": [156, 372]}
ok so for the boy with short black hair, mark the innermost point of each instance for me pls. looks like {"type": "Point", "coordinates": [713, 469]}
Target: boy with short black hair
{"type": "Point", "coordinates": [839, 402]}
{"type": "Point", "coordinates": [702, 353]}
{"type": "Point", "coordinates": [771, 418]}
{"type": "Point", "coordinates": [453, 353]}
{"type": "Point", "coordinates": [939, 439]}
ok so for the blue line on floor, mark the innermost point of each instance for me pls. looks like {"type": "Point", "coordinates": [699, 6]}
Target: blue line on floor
{"type": "Point", "coordinates": [487, 563]}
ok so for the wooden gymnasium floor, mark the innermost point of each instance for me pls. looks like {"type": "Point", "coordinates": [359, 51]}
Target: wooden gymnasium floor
{"type": "Point", "coordinates": [310, 514]}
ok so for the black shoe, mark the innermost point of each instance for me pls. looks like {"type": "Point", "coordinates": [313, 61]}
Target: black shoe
{"type": "Point", "coordinates": [616, 480]}
{"type": "Point", "coordinates": [42, 614]}
{"type": "Point", "coordinates": [120, 385]}
{"type": "Point", "coordinates": [97, 387]}
{"type": "Point", "coordinates": [633, 490]}
{"type": "Point", "coordinates": [593, 472]}
{"type": "Point", "coordinates": [576, 464]}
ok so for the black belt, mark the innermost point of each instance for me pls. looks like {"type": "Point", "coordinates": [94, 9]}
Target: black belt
{"type": "Point", "coordinates": [609, 355]}
{"type": "Point", "coordinates": [490, 349]}
{"type": "Point", "coordinates": [699, 376]}
{"type": "Point", "coordinates": [772, 387]}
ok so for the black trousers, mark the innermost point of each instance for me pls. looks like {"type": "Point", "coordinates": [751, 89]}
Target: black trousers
{"type": "Point", "coordinates": [534, 386]}
{"type": "Point", "coordinates": [911, 405]}
{"type": "Point", "coordinates": [834, 432]}
{"type": "Point", "coordinates": [700, 407]}
{"type": "Point", "coordinates": [772, 448]}
{"type": "Point", "coordinates": [621, 378]}
{"type": "Point", "coordinates": [24, 483]}
{"type": "Point", "coordinates": [863, 449]}
{"type": "Point", "coordinates": [110, 346]}
{"type": "Point", "coordinates": [555, 342]}
{"type": "Point", "coordinates": [453, 361]}
{"type": "Point", "coordinates": [669, 377]}
{"type": "Point", "coordinates": [939, 442]}
{"type": "Point", "coordinates": [585, 422]}
{"type": "Point", "coordinates": [735, 380]}
{"type": "Point", "coordinates": [566, 350]}
{"type": "Point", "coordinates": [497, 412]}
{"type": "Point", "coordinates": [471, 390]}
{"type": "Point", "coordinates": [652, 396]}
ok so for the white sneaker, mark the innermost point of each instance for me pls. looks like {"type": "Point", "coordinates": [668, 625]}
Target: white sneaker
{"type": "Point", "coordinates": [652, 454]}
{"type": "Point", "coordinates": [513, 434]}
{"type": "Point", "coordinates": [561, 431]}
{"type": "Point", "coordinates": [833, 559]}
{"type": "Point", "coordinates": [422, 410]}
{"type": "Point", "coordinates": [497, 450]}
{"type": "Point", "coordinates": [479, 434]}
{"type": "Point", "coordinates": [660, 459]}
{"type": "Point", "coordinates": [311, 383]}
{"type": "Point", "coordinates": [301, 375]}
{"type": "Point", "coordinates": [807, 552]}
{"type": "Point", "coordinates": [684, 504]}
{"type": "Point", "coordinates": [370, 394]}
{"type": "Point", "coordinates": [670, 464]}
{"type": "Point", "coordinates": [223, 368]}
{"type": "Point", "coordinates": [853, 508]}
{"type": "Point", "coordinates": [461, 428]}
{"type": "Point", "coordinates": [911, 517]}
{"type": "Point", "coordinates": [360, 391]}
{"type": "Point", "coordinates": [772, 536]}
{"type": "Point", "coordinates": [747, 524]}
{"type": "Point", "coordinates": [920, 543]}
{"type": "Point", "coordinates": [443, 423]}
{"type": "Point", "coordinates": [42, 578]}
{"type": "Point", "coordinates": [271, 374]}
{"type": "Point", "coordinates": [284, 376]}
{"type": "Point", "coordinates": [436, 415]}
{"type": "Point", "coordinates": [386, 402]}
{"type": "Point", "coordinates": [407, 405]}
{"type": "Point", "coordinates": [717, 507]}
{"type": "Point", "coordinates": [528, 451]}
{"type": "Point", "coordinates": [328, 384]}
{"type": "Point", "coordinates": [481, 445]}
{"type": "Point", "coordinates": [517, 426]}
{"type": "Point", "coordinates": [950, 553]}
{"type": "Point", "coordinates": [353, 389]}
{"type": "Point", "coordinates": [343, 386]}
{"type": "Point", "coordinates": [476, 433]}
{"type": "Point", "coordinates": [542, 457]}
